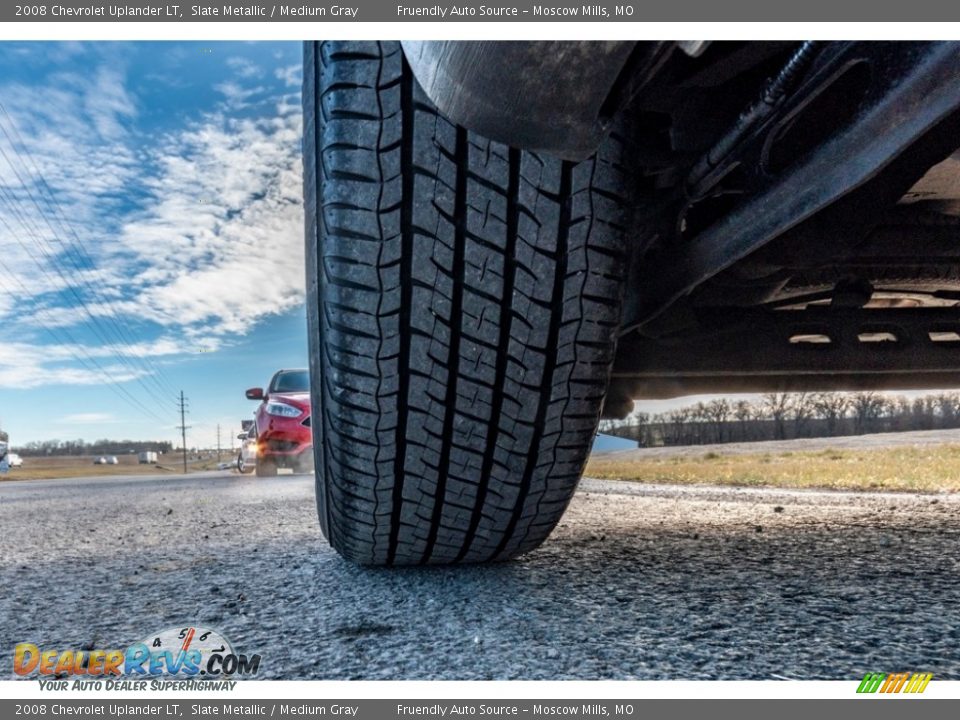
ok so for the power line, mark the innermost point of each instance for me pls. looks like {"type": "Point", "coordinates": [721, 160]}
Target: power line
{"type": "Point", "coordinates": [98, 329]}
{"type": "Point", "coordinates": [89, 363]}
{"type": "Point", "coordinates": [111, 321]}
{"type": "Point", "coordinates": [40, 267]}
{"type": "Point", "coordinates": [31, 230]}
{"type": "Point", "coordinates": [54, 204]}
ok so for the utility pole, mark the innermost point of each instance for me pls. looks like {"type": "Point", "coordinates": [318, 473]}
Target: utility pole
{"type": "Point", "coordinates": [183, 429]}
{"type": "Point", "coordinates": [218, 442]}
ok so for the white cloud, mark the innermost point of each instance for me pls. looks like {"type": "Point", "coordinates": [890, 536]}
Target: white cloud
{"type": "Point", "coordinates": [292, 75]}
{"type": "Point", "coordinates": [28, 365]}
{"type": "Point", "coordinates": [213, 245]}
{"type": "Point", "coordinates": [237, 96]}
{"type": "Point", "coordinates": [24, 376]}
{"type": "Point", "coordinates": [57, 140]}
{"type": "Point", "coordinates": [108, 104]}
{"type": "Point", "coordinates": [244, 68]}
{"type": "Point", "coordinates": [223, 235]}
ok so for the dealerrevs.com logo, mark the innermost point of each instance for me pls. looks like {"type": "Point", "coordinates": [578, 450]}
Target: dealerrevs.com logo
{"type": "Point", "coordinates": [194, 653]}
{"type": "Point", "coordinates": [914, 683]}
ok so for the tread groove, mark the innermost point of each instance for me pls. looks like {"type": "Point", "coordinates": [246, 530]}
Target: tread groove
{"type": "Point", "coordinates": [406, 300]}
{"type": "Point", "coordinates": [379, 379]}
{"type": "Point", "coordinates": [546, 380]}
{"type": "Point", "coordinates": [503, 341]}
{"type": "Point", "coordinates": [461, 161]}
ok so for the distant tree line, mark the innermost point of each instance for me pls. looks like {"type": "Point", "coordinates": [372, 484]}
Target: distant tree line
{"type": "Point", "coordinates": [98, 447]}
{"type": "Point", "coordinates": [780, 416]}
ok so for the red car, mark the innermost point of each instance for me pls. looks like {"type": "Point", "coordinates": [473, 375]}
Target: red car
{"type": "Point", "coordinates": [284, 437]}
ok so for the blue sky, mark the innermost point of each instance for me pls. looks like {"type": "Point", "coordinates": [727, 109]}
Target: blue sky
{"type": "Point", "coordinates": [150, 235]}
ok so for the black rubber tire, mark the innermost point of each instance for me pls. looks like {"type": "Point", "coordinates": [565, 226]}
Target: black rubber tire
{"type": "Point", "coordinates": [242, 467]}
{"type": "Point", "coordinates": [266, 467]}
{"type": "Point", "coordinates": [463, 301]}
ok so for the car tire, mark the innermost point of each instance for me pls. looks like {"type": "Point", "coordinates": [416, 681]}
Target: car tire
{"type": "Point", "coordinates": [242, 467]}
{"type": "Point", "coordinates": [266, 467]}
{"type": "Point", "coordinates": [463, 302]}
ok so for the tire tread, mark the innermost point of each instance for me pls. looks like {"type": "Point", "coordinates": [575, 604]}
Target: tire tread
{"type": "Point", "coordinates": [463, 302]}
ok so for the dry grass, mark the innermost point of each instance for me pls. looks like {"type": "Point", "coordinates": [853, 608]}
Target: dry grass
{"type": "Point", "coordinates": [923, 469]}
{"type": "Point", "coordinates": [42, 468]}
{"type": "Point", "coordinates": [907, 468]}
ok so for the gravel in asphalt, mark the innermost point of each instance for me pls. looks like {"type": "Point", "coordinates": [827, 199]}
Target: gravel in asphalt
{"type": "Point", "coordinates": [638, 581]}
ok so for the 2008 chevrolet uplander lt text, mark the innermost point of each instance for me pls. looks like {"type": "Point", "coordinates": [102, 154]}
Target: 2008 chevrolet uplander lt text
{"type": "Point", "coordinates": [507, 242]}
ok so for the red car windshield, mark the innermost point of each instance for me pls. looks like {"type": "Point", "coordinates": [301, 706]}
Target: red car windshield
{"type": "Point", "coordinates": [291, 381]}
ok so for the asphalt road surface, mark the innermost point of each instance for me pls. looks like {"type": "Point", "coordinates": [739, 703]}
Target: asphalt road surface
{"type": "Point", "coordinates": [649, 582]}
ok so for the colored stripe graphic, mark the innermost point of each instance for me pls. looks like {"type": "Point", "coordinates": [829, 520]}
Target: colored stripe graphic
{"type": "Point", "coordinates": [918, 683]}
{"type": "Point", "coordinates": [894, 683]}
{"type": "Point", "coordinates": [871, 682]}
